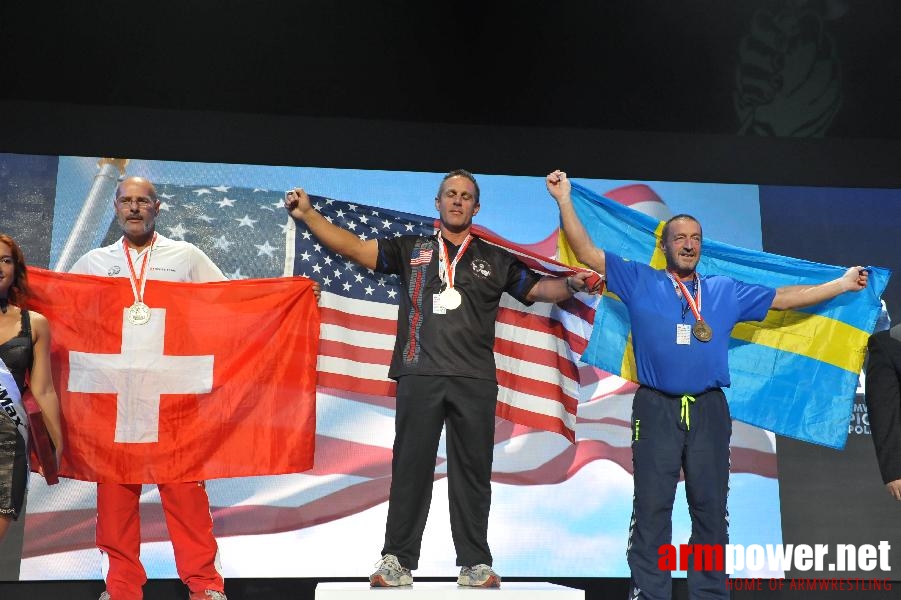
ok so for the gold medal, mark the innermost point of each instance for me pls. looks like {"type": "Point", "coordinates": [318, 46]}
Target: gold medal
{"type": "Point", "coordinates": [702, 331]}
{"type": "Point", "coordinates": [450, 298]}
{"type": "Point", "coordinates": [138, 313]}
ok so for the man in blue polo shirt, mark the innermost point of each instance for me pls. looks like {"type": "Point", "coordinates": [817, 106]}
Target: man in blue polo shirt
{"type": "Point", "coordinates": [681, 325]}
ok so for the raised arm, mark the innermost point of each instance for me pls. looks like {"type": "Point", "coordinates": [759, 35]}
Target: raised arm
{"type": "Point", "coordinates": [335, 238]}
{"type": "Point", "coordinates": [41, 382]}
{"type": "Point", "coordinates": [586, 252]}
{"type": "Point", "coordinates": [799, 296]}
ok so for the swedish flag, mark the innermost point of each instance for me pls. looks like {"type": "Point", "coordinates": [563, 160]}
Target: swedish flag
{"type": "Point", "coordinates": [795, 373]}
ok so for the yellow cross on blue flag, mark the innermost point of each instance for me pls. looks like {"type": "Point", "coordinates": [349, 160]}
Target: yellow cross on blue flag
{"type": "Point", "coordinates": [794, 373]}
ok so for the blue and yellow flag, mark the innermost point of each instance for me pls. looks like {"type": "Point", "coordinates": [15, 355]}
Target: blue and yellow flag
{"type": "Point", "coordinates": [795, 373]}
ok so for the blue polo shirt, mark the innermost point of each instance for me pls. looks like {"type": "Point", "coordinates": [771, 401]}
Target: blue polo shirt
{"type": "Point", "coordinates": [655, 309]}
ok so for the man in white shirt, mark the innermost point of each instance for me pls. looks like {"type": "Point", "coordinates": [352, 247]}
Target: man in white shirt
{"type": "Point", "coordinates": [141, 254]}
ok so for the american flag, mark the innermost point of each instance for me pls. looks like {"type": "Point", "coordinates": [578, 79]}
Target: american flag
{"type": "Point", "coordinates": [543, 387]}
{"type": "Point", "coordinates": [534, 349]}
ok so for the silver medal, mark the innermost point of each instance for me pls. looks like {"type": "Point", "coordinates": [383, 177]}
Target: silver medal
{"type": "Point", "coordinates": [138, 313]}
{"type": "Point", "coordinates": [450, 298]}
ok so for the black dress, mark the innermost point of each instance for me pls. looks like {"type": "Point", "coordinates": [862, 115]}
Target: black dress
{"type": "Point", "coordinates": [17, 353]}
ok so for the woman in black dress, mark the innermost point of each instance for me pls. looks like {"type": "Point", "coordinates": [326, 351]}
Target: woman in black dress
{"type": "Point", "coordinates": [24, 354]}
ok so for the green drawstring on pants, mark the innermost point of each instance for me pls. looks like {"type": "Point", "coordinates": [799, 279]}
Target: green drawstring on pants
{"type": "Point", "coordinates": [687, 401]}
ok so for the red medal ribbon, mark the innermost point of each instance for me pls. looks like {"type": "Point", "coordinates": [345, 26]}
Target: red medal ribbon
{"type": "Point", "coordinates": [140, 281]}
{"type": "Point", "coordinates": [449, 270]}
{"type": "Point", "coordinates": [694, 305]}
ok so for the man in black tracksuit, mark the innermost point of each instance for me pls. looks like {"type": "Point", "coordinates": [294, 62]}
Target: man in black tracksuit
{"type": "Point", "coordinates": [444, 365]}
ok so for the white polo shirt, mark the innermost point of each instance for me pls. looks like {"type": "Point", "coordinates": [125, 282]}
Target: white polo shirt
{"type": "Point", "coordinates": [172, 260]}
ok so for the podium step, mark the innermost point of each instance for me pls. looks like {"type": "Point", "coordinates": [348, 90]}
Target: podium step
{"type": "Point", "coordinates": [447, 590]}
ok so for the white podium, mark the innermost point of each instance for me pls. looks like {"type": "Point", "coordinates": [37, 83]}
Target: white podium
{"type": "Point", "coordinates": [447, 590]}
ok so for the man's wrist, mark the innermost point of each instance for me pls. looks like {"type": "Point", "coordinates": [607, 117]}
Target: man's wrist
{"type": "Point", "coordinates": [569, 285]}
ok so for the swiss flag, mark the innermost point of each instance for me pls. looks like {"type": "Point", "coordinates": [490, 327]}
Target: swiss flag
{"type": "Point", "coordinates": [221, 382]}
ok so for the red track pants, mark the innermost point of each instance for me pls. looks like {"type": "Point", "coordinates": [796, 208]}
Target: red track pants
{"type": "Point", "coordinates": [190, 524]}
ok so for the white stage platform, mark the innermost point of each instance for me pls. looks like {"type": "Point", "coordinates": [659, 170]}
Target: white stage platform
{"type": "Point", "coordinates": [447, 590]}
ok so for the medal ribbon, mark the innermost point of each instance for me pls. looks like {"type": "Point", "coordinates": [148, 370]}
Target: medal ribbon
{"type": "Point", "coordinates": [694, 305]}
{"type": "Point", "coordinates": [445, 271]}
{"type": "Point", "coordinates": [133, 277]}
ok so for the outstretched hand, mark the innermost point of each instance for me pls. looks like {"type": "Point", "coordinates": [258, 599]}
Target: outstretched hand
{"type": "Point", "coordinates": [558, 185]}
{"type": "Point", "coordinates": [587, 281]}
{"type": "Point", "coordinates": [297, 203]}
{"type": "Point", "coordinates": [855, 279]}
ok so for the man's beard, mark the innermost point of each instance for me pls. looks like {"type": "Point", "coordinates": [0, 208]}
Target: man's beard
{"type": "Point", "coordinates": [124, 223]}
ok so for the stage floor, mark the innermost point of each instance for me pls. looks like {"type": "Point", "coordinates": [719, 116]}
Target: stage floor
{"type": "Point", "coordinates": [305, 589]}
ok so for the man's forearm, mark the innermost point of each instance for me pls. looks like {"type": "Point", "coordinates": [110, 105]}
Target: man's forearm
{"type": "Point", "coordinates": [799, 296]}
{"type": "Point", "coordinates": [340, 240]}
{"type": "Point", "coordinates": [580, 242]}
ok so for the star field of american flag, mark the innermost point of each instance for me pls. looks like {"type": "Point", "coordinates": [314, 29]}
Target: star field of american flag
{"type": "Point", "coordinates": [342, 276]}
{"type": "Point", "coordinates": [242, 230]}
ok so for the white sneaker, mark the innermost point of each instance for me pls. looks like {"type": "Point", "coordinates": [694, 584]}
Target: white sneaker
{"type": "Point", "coordinates": [390, 573]}
{"type": "Point", "coordinates": [479, 576]}
{"type": "Point", "coordinates": [207, 594]}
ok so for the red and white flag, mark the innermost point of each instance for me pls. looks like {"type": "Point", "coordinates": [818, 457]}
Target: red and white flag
{"type": "Point", "coordinates": [221, 382]}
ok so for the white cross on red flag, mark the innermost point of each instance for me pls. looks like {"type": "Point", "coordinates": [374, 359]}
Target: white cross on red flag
{"type": "Point", "coordinates": [220, 383]}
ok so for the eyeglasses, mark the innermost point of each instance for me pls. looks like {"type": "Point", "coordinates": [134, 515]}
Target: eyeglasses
{"type": "Point", "coordinates": [141, 202]}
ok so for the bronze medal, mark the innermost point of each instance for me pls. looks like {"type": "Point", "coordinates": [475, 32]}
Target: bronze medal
{"type": "Point", "coordinates": [702, 331]}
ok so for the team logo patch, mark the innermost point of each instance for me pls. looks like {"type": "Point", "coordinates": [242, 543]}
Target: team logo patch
{"type": "Point", "coordinates": [113, 271]}
{"type": "Point", "coordinates": [481, 268]}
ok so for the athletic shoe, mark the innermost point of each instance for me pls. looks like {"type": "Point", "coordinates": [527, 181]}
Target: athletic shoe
{"type": "Point", "coordinates": [479, 576]}
{"type": "Point", "coordinates": [390, 573]}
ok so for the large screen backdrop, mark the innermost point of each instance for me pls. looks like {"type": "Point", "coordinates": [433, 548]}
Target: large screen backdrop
{"type": "Point", "coordinates": [558, 509]}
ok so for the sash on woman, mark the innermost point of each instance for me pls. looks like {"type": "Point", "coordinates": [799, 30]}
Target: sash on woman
{"type": "Point", "coordinates": [41, 455]}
